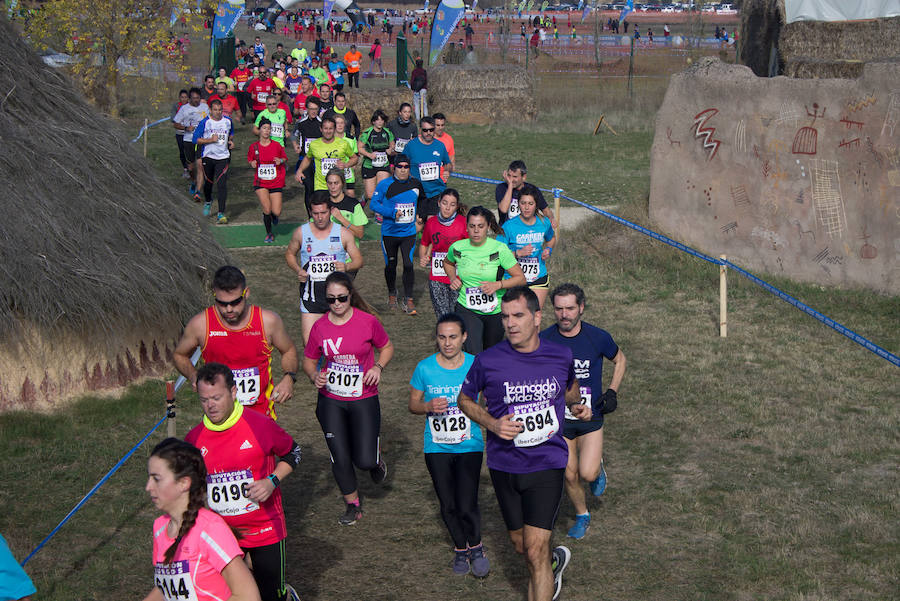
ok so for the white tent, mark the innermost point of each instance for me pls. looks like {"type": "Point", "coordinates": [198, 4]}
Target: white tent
{"type": "Point", "coordinates": [839, 10]}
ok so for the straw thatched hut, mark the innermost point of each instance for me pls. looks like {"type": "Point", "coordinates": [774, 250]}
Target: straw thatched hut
{"type": "Point", "coordinates": [481, 93]}
{"type": "Point", "coordinates": [101, 261]}
{"type": "Point", "coordinates": [813, 49]}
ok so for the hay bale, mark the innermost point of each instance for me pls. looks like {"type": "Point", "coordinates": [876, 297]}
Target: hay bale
{"type": "Point", "coordinates": [365, 101]}
{"type": "Point", "coordinates": [761, 23]}
{"type": "Point", "coordinates": [481, 93]}
{"type": "Point", "coordinates": [101, 260]}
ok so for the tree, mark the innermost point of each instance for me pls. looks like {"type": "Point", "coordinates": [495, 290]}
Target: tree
{"type": "Point", "coordinates": [108, 39]}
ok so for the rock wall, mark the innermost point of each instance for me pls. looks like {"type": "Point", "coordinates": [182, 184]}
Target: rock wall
{"type": "Point", "coordinates": [798, 178]}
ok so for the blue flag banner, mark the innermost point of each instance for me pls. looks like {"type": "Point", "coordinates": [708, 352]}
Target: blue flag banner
{"type": "Point", "coordinates": [329, 5]}
{"type": "Point", "coordinates": [227, 15]}
{"type": "Point", "coordinates": [475, 5]}
{"type": "Point", "coordinates": [580, 4]}
{"type": "Point", "coordinates": [446, 16]}
{"type": "Point", "coordinates": [628, 8]}
{"type": "Point", "coordinates": [586, 12]}
{"type": "Point", "coordinates": [425, 8]}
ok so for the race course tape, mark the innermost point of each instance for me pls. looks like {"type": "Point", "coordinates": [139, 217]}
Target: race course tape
{"type": "Point", "coordinates": [144, 128]}
{"type": "Point", "coordinates": [178, 383]}
{"type": "Point", "coordinates": [861, 340]}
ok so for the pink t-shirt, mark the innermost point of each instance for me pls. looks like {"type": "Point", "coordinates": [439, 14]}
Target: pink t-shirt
{"type": "Point", "coordinates": [350, 352]}
{"type": "Point", "coordinates": [196, 571]}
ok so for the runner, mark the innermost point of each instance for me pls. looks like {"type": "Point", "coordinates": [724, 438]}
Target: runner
{"type": "Point", "coordinates": [305, 131]}
{"type": "Point", "coordinates": [215, 135]}
{"type": "Point", "coordinates": [241, 76]}
{"type": "Point", "coordinates": [341, 108]}
{"type": "Point", "coordinates": [325, 95]}
{"type": "Point", "coordinates": [230, 104]}
{"type": "Point", "coordinates": [440, 120]}
{"type": "Point", "coordinates": [589, 345]}
{"type": "Point", "coordinates": [530, 238]}
{"type": "Point", "coordinates": [277, 118]}
{"type": "Point", "coordinates": [307, 89]}
{"type": "Point", "coordinates": [403, 128]}
{"type": "Point", "coordinates": [326, 153]}
{"type": "Point", "coordinates": [323, 247]}
{"type": "Point", "coordinates": [336, 69]}
{"type": "Point", "coordinates": [345, 209]}
{"type": "Point", "coordinates": [259, 49]}
{"type": "Point", "coordinates": [453, 446]}
{"type": "Point", "coordinates": [440, 231]}
{"type": "Point", "coordinates": [292, 82]}
{"type": "Point", "coordinates": [223, 77]}
{"type": "Point", "coordinates": [318, 74]}
{"type": "Point", "coordinates": [507, 194]}
{"type": "Point", "coordinates": [340, 132]}
{"type": "Point", "coordinates": [348, 408]}
{"type": "Point", "coordinates": [241, 336]}
{"type": "Point", "coordinates": [185, 121]}
{"type": "Point", "coordinates": [259, 89]}
{"type": "Point", "coordinates": [267, 159]}
{"type": "Point", "coordinates": [398, 200]}
{"type": "Point", "coordinates": [247, 456]}
{"type": "Point", "coordinates": [475, 267]}
{"type": "Point", "coordinates": [209, 88]}
{"type": "Point", "coordinates": [352, 59]}
{"type": "Point", "coordinates": [375, 145]}
{"type": "Point", "coordinates": [183, 99]}
{"type": "Point", "coordinates": [427, 158]}
{"type": "Point", "coordinates": [195, 553]}
{"type": "Point", "coordinates": [527, 384]}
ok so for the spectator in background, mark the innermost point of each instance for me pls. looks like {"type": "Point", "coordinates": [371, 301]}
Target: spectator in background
{"type": "Point", "coordinates": [375, 55]}
{"type": "Point", "coordinates": [418, 82]}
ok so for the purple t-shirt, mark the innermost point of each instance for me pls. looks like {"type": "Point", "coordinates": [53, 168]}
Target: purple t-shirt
{"type": "Point", "coordinates": [533, 386]}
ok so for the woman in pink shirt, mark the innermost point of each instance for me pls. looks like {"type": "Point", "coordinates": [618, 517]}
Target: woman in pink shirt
{"type": "Point", "coordinates": [375, 55]}
{"type": "Point", "coordinates": [195, 554]}
{"type": "Point", "coordinates": [348, 408]}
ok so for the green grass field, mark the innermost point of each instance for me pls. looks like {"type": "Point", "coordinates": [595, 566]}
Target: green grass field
{"type": "Point", "coordinates": [758, 466]}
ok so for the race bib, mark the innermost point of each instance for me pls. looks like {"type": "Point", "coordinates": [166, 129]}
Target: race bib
{"type": "Point", "coordinates": [380, 160]}
{"type": "Point", "coordinates": [221, 139]}
{"type": "Point", "coordinates": [399, 144]}
{"type": "Point", "coordinates": [228, 493]}
{"type": "Point", "coordinates": [585, 392]}
{"type": "Point", "coordinates": [539, 419]}
{"type": "Point", "coordinates": [266, 172]}
{"type": "Point", "coordinates": [294, 86]}
{"type": "Point", "coordinates": [530, 268]}
{"type": "Point", "coordinates": [429, 171]}
{"type": "Point", "coordinates": [247, 383]}
{"type": "Point", "coordinates": [328, 164]}
{"type": "Point", "coordinates": [261, 97]}
{"type": "Point", "coordinates": [478, 300]}
{"type": "Point", "coordinates": [437, 265]}
{"type": "Point", "coordinates": [241, 85]}
{"type": "Point", "coordinates": [348, 174]}
{"type": "Point", "coordinates": [513, 208]}
{"type": "Point", "coordinates": [451, 427]}
{"type": "Point", "coordinates": [406, 212]}
{"type": "Point", "coordinates": [320, 266]}
{"type": "Point", "coordinates": [354, 64]}
{"type": "Point", "coordinates": [277, 130]}
{"type": "Point", "coordinates": [174, 580]}
{"type": "Point", "coordinates": [344, 380]}
{"type": "Point", "coordinates": [306, 144]}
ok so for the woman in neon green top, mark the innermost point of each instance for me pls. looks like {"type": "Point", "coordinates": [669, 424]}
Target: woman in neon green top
{"type": "Point", "coordinates": [476, 266]}
{"type": "Point", "coordinates": [340, 131]}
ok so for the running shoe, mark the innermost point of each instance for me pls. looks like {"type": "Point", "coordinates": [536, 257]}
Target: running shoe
{"type": "Point", "coordinates": [561, 557]}
{"type": "Point", "coordinates": [186, 174]}
{"type": "Point", "coordinates": [197, 197]}
{"type": "Point", "coordinates": [221, 219]}
{"type": "Point", "coordinates": [351, 515]}
{"type": "Point", "coordinates": [379, 472]}
{"type": "Point", "coordinates": [408, 307]}
{"type": "Point", "coordinates": [291, 593]}
{"type": "Point", "coordinates": [378, 218]}
{"type": "Point", "coordinates": [599, 485]}
{"type": "Point", "coordinates": [460, 562]}
{"type": "Point", "coordinates": [207, 209]}
{"type": "Point", "coordinates": [270, 238]}
{"type": "Point", "coordinates": [479, 562]}
{"type": "Point", "coordinates": [193, 188]}
{"type": "Point", "coordinates": [582, 523]}
{"type": "Point", "coordinates": [392, 303]}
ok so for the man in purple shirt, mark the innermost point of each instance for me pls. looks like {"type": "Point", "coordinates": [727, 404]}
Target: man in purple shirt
{"type": "Point", "coordinates": [527, 384]}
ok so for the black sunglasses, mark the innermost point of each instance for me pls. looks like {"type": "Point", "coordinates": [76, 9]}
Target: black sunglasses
{"type": "Point", "coordinates": [424, 130]}
{"type": "Point", "coordinates": [337, 299]}
{"type": "Point", "coordinates": [401, 166]}
{"type": "Point", "coordinates": [233, 303]}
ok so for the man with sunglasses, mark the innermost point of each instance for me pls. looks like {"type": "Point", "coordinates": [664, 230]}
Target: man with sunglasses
{"type": "Point", "coordinates": [276, 116]}
{"type": "Point", "coordinates": [260, 88]}
{"type": "Point", "coordinates": [427, 157]}
{"type": "Point", "coordinates": [241, 336]}
{"type": "Point", "coordinates": [399, 200]}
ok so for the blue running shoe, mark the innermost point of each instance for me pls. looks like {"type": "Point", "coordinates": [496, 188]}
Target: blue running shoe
{"type": "Point", "coordinates": [599, 485]}
{"type": "Point", "coordinates": [479, 562]}
{"type": "Point", "coordinates": [460, 562]}
{"type": "Point", "coordinates": [193, 189]}
{"type": "Point", "coordinates": [582, 523]}
{"type": "Point", "coordinates": [207, 208]}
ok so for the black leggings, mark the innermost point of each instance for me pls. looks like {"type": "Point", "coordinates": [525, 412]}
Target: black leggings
{"type": "Point", "coordinates": [180, 141]}
{"type": "Point", "coordinates": [243, 99]}
{"type": "Point", "coordinates": [351, 431]}
{"type": "Point", "coordinates": [455, 477]}
{"type": "Point", "coordinates": [215, 171]}
{"type": "Point", "coordinates": [390, 245]}
{"type": "Point", "coordinates": [484, 330]}
{"type": "Point", "coordinates": [351, 78]}
{"type": "Point", "coordinates": [268, 570]}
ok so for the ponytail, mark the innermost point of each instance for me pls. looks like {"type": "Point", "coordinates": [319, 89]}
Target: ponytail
{"type": "Point", "coordinates": [185, 461]}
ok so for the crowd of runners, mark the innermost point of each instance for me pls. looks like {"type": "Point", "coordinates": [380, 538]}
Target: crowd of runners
{"type": "Point", "coordinates": [532, 400]}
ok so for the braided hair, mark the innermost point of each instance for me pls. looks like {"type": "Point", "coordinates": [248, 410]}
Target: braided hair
{"type": "Point", "coordinates": [185, 461]}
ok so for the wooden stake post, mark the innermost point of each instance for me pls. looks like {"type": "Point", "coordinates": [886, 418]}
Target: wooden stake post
{"type": "Point", "coordinates": [170, 409]}
{"type": "Point", "coordinates": [723, 300]}
{"type": "Point", "coordinates": [557, 192]}
{"type": "Point", "coordinates": [146, 131]}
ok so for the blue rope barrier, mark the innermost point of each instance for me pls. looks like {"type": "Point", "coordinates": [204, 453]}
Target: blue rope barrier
{"type": "Point", "coordinates": [144, 128]}
{"type": "Point", "coordinates": [836, 326]}
{"type": "Point", "coordinates": [178, 383]}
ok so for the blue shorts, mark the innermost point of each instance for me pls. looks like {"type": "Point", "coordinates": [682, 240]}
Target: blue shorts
{"type": "Point", "coordinates": [574, 429]}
